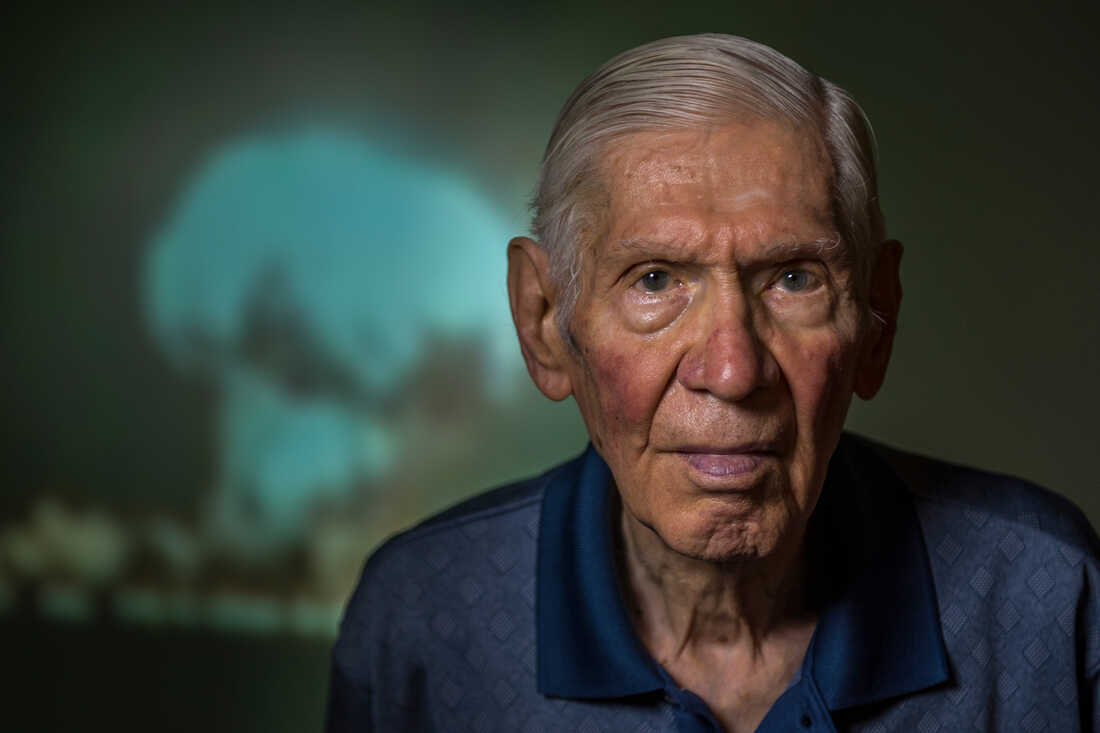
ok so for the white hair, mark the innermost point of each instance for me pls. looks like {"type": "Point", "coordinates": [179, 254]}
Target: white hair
{"type": "Point", "coordinates": [694, 81]}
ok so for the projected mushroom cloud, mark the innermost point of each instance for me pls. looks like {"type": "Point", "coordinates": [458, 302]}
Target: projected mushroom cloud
{"type": "Point", "coordinates": [313, 275]}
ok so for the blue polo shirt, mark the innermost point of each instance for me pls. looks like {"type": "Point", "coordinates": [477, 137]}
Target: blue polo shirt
{"type": "Point", "coordinates": [949, 599]}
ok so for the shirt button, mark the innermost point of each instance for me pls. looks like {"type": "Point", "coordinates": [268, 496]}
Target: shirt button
{"type": "Point", "coordinates": [806, 721]}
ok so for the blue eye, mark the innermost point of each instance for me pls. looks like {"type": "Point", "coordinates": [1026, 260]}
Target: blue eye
{"type": "Point", "coordinates": [796, 281]}
{"type": "Point", "coordinates": [655, 281]}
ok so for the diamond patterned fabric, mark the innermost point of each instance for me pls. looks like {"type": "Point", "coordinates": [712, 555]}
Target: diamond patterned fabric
{"type": "Point", "coordinates": [441, 633]}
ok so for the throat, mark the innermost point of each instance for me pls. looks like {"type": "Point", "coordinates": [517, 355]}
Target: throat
{"type": "Point", "coordinates": [738, 677]}
{"type": "Point", "coordinates": [734, 634]}
{"type": "Point", "coordinates": [692, 601]}
{"type": "Point", "coordinates": [739, 692]}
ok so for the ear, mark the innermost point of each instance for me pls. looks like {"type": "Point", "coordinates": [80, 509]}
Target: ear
{"type": "Point", "coordinates": [885, 304]}
{"type": "Point", "coordinates": [532, 297]}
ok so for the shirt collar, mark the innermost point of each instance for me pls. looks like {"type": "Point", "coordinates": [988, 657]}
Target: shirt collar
{"type": "Point", "coordinates": [879, 633]}
{"type": "Point", "coordinates": [878, 636]}
{"type": "Point", "coordinates": [586, 647]}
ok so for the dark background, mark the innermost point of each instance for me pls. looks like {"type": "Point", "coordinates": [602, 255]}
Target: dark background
{"type": "Point", "coordinates": [986, 120]}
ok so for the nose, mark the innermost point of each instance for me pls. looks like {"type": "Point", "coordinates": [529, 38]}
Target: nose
{"type": "Point", "coordinates": [727, 357]}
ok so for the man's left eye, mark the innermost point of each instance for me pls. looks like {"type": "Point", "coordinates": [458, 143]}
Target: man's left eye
{"type": "Point", "coordinates": [798, 281]}
{"type": "Point", "coordinates": [655, 281]}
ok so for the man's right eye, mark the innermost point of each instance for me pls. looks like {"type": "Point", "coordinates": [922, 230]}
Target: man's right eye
{"type": "Point", "coordinates": [654, 281]}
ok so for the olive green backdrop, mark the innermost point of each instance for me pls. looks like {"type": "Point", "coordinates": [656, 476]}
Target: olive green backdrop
{"type": "Point", "coordinates": [986, 120]}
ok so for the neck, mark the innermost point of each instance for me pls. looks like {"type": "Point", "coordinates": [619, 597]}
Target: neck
{"type": "Point", "coordinates": [682, 604]}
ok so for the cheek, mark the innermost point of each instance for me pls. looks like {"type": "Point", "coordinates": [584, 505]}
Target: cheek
{"type": "Point", "coordinates": [819, 371]}
{"type": "Point", "coordinates": [622, 394]}
{"type": "Point", "coordinates": [622, 389]}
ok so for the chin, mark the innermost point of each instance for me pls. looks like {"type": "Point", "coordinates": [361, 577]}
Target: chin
{"type": "Point", "coordinates": [727, 542]}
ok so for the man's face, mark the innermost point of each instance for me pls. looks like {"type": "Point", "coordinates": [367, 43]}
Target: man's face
{"type": "Point", "coordinates": [718, 334]}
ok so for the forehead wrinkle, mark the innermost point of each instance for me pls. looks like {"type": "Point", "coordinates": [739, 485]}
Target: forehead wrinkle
{"type": "Point", "coordinates": [717, 189]}
{"type": "Point", "coordinates": [672, 178]}
{"type": "Point", "coordinates": [655, 239]}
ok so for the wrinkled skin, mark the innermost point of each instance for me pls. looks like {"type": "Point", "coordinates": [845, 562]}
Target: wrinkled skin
{"type": "Point", "coordinates": [718, 335]}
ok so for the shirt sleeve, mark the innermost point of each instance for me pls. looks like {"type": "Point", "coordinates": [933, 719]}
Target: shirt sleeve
{"type": "Point", "coordinates": [1088, 639]}
{"type": "Point", "coordinates": [351, 678]}
{"type": "Point", "coordinates": [349, 702]}
{"type": "Point", "coordinates": [375, 678]}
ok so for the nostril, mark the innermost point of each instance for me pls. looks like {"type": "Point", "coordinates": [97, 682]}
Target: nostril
{"type": "Point", "coordinates": [690, 370]}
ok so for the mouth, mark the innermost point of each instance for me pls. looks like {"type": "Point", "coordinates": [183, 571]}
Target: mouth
{"type": "Point", "coordinates": [725, 466]}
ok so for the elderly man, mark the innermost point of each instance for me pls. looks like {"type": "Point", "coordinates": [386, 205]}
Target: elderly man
{"type": "Point", "coordinates": [712, 283]}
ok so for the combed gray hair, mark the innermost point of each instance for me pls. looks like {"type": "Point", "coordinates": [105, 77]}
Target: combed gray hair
{"type": "Point", "coordinates": [693, 81]}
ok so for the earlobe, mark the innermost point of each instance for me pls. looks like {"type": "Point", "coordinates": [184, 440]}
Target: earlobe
{"type": "Point", "coordinates": [532, 297]}
{"type": "Point", "coordinates": [885, 304]}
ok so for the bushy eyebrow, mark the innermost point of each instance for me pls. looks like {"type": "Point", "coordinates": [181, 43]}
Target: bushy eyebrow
{"type": "Point", "coordinates": [827, 248]}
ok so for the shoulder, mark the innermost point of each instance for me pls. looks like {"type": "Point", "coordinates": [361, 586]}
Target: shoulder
{"type": "Point", "coordinates": [1016, 567]}
{"type": "Point", "coordinates": [944, 489]}
{"type": "Point", "coordinates": [492, 511]}
{"type": "Point", "coordinates": [490, 515]}
{"type": "Point", "coordinates": [452, 595]}
{"type": "Point", "coordinates": [508, 512]}
{"type": "Point", "coordinates": [423, 579]}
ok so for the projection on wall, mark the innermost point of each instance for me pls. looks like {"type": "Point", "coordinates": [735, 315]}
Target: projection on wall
{"type": "Point", "coordinates": [310, 273]}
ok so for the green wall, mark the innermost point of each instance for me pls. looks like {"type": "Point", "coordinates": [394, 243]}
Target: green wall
{"type": "Point", "coordinates": [986, 123]}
